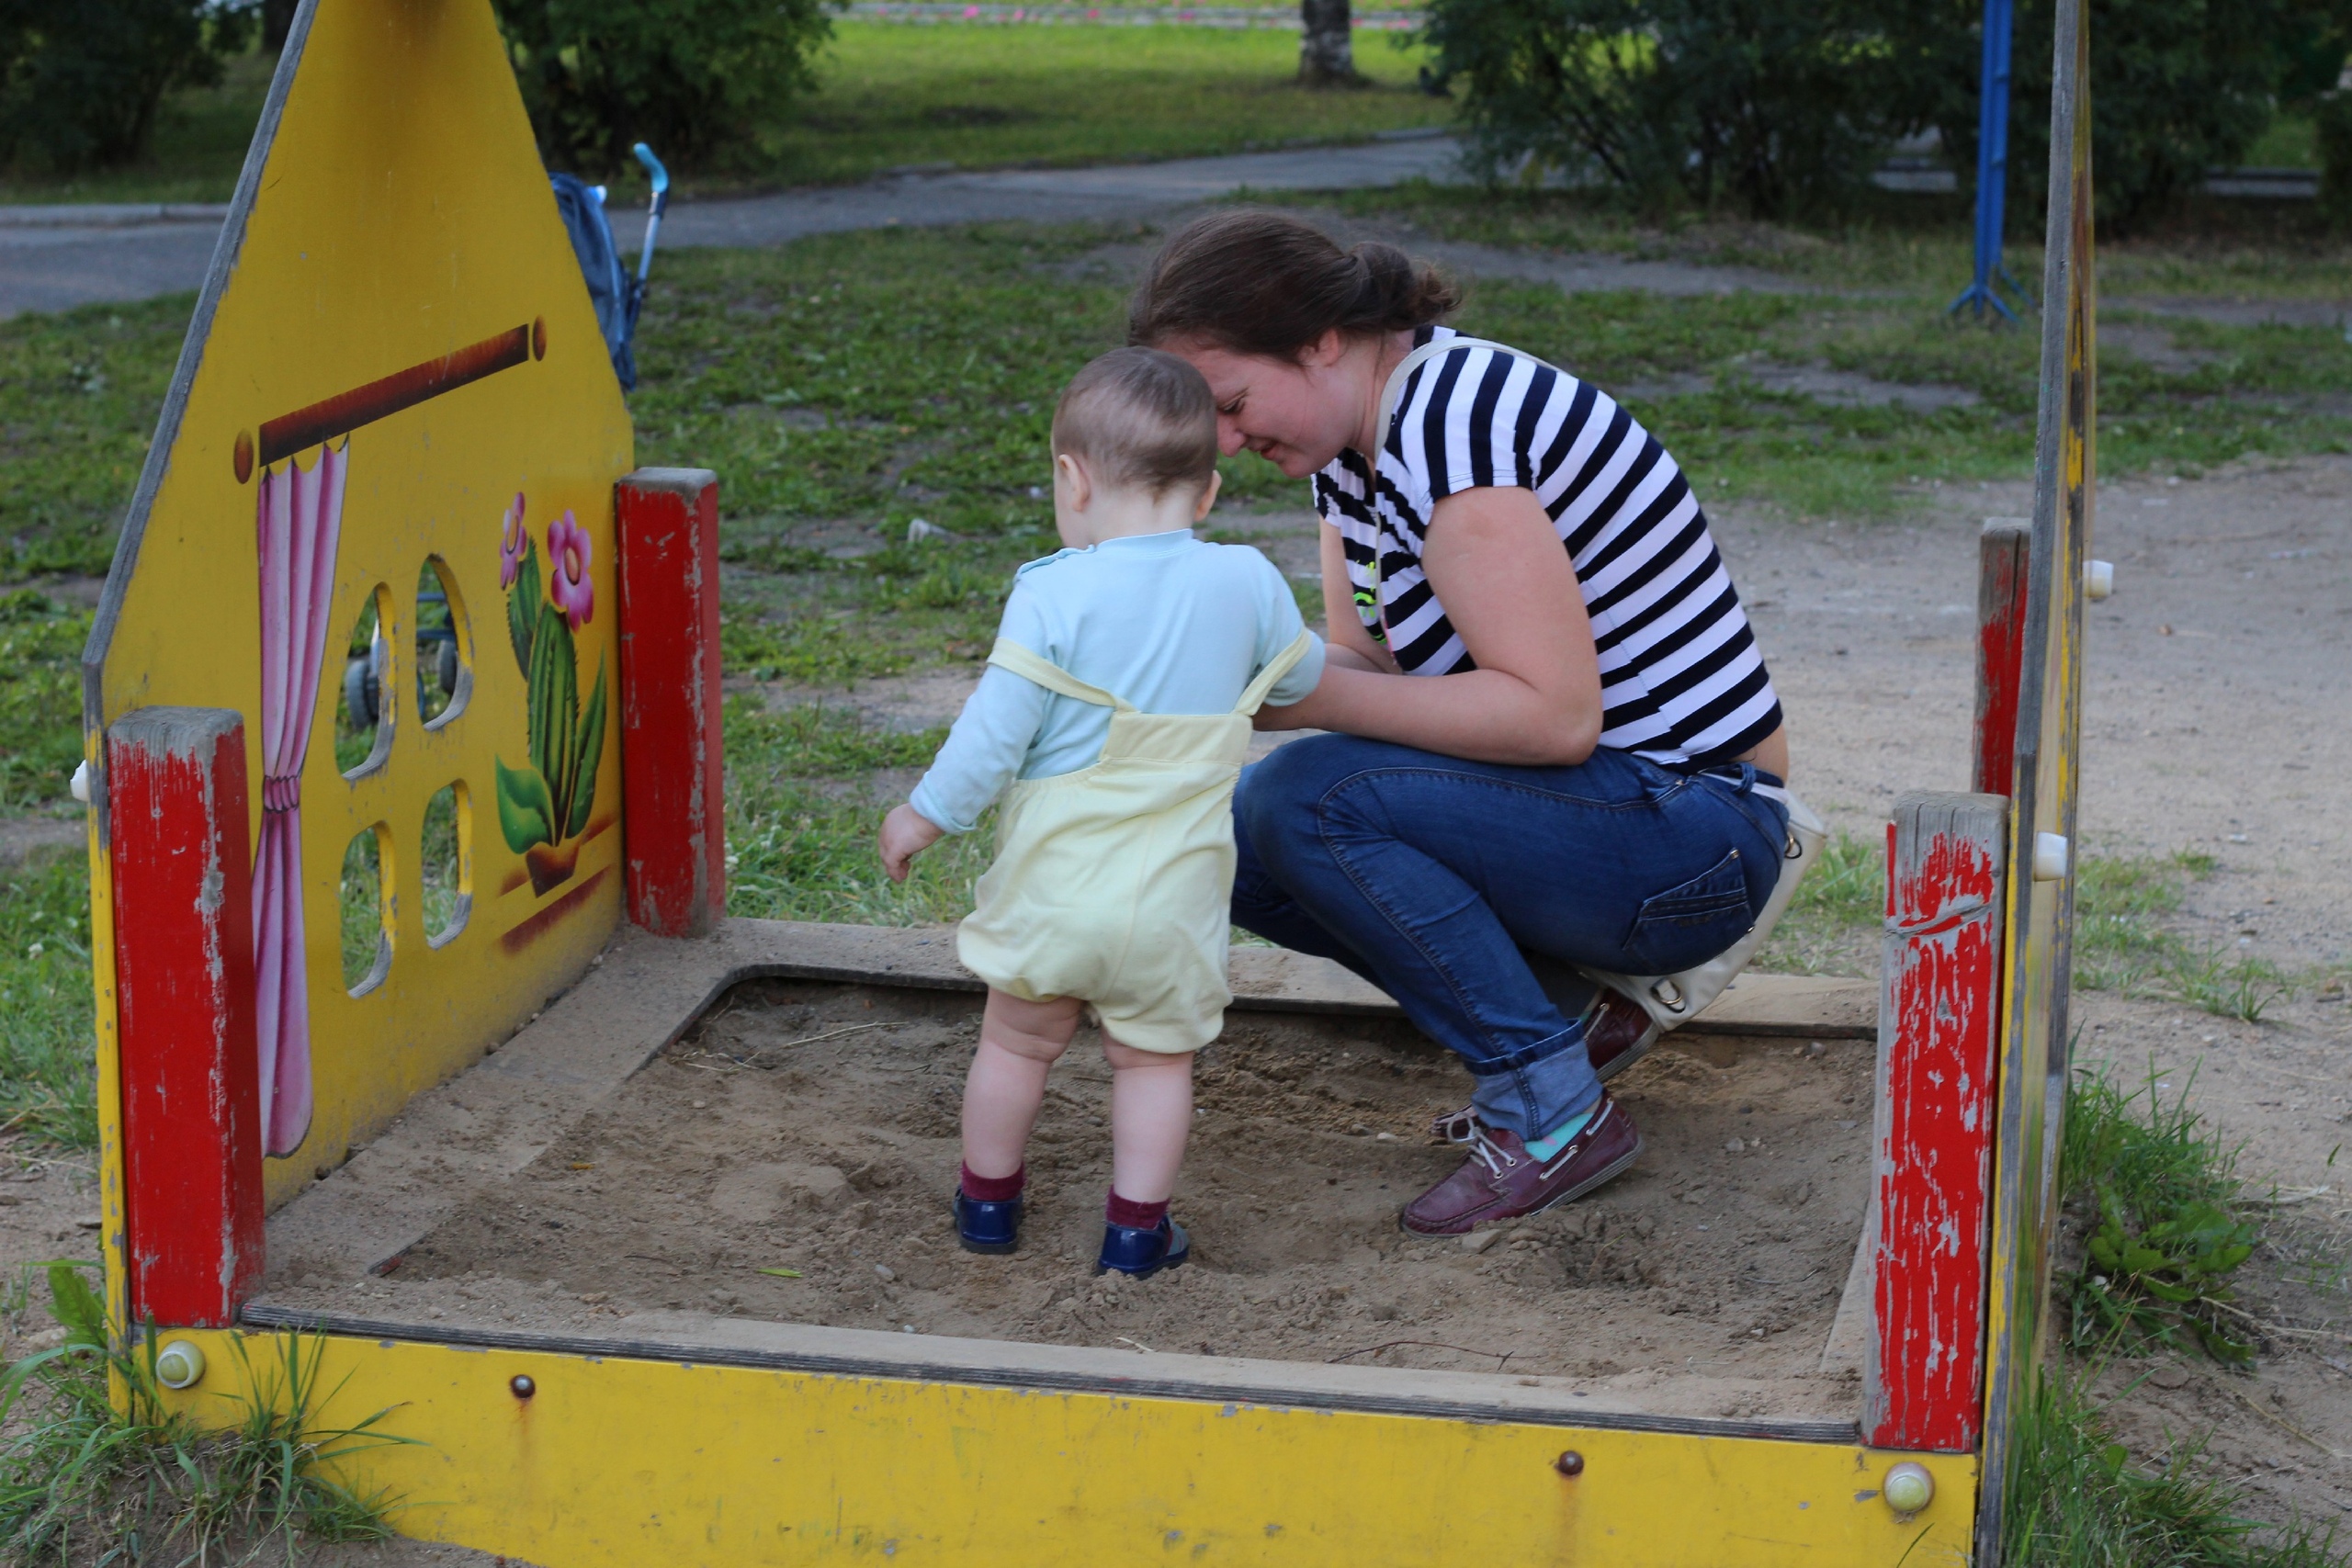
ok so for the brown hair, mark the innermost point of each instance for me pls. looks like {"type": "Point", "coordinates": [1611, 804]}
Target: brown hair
{"type": "Point", "coordinates": [1266, 284]}
{"type": "Point", "coordinates": [1139, 418]}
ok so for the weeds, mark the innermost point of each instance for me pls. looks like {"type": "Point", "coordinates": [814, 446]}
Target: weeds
{"type": "Point", "coordinates": [1833, 919]}
{"type": "Point", "coordinates": [2121, 943]}
{"type": "Point", "coordinates": [46, 1085]}
{"type": "Point", "coordinates": [2163, 1231]}
{"type": "Point", "coordinates": [123, 1482]}
{"type": "Point", "coordinates": [2075, 1500]}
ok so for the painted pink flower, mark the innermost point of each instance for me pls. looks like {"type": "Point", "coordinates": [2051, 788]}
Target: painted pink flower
{"type": "Point", "coordinates": [568, 582]}
{"type": "Point", "coordinates": [514, 543]}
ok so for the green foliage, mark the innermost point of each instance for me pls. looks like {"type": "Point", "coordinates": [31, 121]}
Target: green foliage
{"type": "Point", "coordinates": [1774, 107]}
{"type": "Point", "coordinates": [48, 1044]}
{"type": "Point", "coordinates": [2331, 129]}
{"type": "Point", "coordinates": [2164, 1240]}
{"type": "Point", "coordinates": [2179, 86]}
{"type": "Point", "coordinates": [40, 696]}
{"type": "Point", "coordinates": [2122, 941]}
{"type": "Point", "coordinates": [83, 1480]}
{"type": "Point", "coordinates": [695, 78]}
{"type": "Point", "coordinates": [801, 846]}
{"type": "Point", "coordinates": [1833, 918]}
{"type": "Point", "coordinates": [2075, 1500]}
{"type": "Point", "coordinates": [80, 80]}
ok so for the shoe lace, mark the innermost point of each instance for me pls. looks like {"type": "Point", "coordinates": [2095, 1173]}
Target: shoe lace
{"type": "Point", "coordinates": [1487, 1152]}
{"type": "Point", "coordinates": [1454, 1127]}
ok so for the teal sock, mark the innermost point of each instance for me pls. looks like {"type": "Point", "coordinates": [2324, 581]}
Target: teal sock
{"type": "Point", "coordinates": [1555, 1140]}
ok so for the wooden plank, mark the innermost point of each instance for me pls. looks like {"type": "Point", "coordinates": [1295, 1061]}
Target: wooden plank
{"type": "Point", "coordinates": [2003, 554]}
{"type": "Point", "coordinates": [2038, 917]}
{"type": "Point", "coordinates": [1934, 1125]}
{"type": "Point", "coordinates": [672, 764]}
{"type": "Point", "coordinates": [190, 1064]}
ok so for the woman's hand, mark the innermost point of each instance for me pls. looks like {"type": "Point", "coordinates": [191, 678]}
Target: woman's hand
{"type": "Point", "coordinates": [1511, 594]}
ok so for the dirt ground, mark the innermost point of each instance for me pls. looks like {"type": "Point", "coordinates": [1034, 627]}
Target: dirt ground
{"type": "Point", "coordinates": [814, 1128]}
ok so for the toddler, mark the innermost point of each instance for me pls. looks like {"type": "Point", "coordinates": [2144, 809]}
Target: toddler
{"type": "Point", "coordinates": [1112, 718]}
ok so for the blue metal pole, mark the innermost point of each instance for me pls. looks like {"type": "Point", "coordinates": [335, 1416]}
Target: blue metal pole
{"type": "Point", "coordinates": [1992, 164]}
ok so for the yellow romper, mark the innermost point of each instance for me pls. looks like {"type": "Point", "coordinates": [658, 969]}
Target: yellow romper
{"type": "Point", "coordinates": [1114, 883]}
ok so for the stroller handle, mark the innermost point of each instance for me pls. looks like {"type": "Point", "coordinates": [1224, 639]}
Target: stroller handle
{"type": "Point", "coordinates": [653, 211]}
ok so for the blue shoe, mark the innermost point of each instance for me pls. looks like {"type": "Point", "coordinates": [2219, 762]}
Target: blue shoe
{"type": "Point", "coordinates": [985, 1226]}
{"type": "Point", "coordinates": [1132, 1250]}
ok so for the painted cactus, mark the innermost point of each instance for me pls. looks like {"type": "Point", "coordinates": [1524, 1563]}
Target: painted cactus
{"type": "Point", "coordinates": [543, 808]}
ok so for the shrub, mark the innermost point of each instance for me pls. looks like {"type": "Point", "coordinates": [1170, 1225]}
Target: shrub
{"type": "Point", "coordinates": [2178, 86]}
{"type": "Point", "coordinates": [695, 78]}
{"type": "Point", "coordinates": [80, 80]}
{"type": "Point", "coordinates": [1771, 105]}
{"type": "Point", "coordinates": [2332, 120]}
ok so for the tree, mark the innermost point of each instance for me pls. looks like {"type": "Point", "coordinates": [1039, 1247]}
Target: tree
{"type": "Point", "coordinates": [695, 78]}
{"type": "Point", "coordinates": [82, 81]}
{"type": "Point", "coordinates": [2177, 87]}
{"type": "Point", "coordinates": [1326, 48]}
{"type": "Point", "coordinates": [1774, 106]}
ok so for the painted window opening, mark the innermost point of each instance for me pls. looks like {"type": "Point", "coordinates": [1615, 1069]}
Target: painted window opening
{"type": "Point", "coordinates": [443, 646]}
{"type": "Point", "coordinates": [367, 904]}
{"type": "Point", "coordinates": [546, 801]}
{"type": "Point", "coordinates": [447, 857]}
{"type": "Point", "coordinates": [365, 710]}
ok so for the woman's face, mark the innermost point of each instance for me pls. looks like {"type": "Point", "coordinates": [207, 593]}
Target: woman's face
{"type": "Point", "coordinates": [1298, 414]}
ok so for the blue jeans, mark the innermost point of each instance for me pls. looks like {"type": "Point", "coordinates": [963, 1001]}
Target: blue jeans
{"type": "Point", "coordinates": [1432, 877]}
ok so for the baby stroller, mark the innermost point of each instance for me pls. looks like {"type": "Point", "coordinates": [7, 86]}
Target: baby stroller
{"type": "Point", "coordinates": [617, 296]}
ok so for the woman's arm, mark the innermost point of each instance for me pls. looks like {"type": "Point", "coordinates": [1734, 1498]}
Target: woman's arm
{"type": "Point", "coordinates": [1511, 594]}
{"type": "Point", "coordinates": [1345, 641]}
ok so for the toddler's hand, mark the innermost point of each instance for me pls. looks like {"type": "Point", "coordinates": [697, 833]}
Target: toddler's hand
{"type": "Point", "coordinates": [906, 833]}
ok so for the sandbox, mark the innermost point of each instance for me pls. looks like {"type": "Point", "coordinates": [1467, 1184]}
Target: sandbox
{"type": "Point", "coordinates": [775, 1173]}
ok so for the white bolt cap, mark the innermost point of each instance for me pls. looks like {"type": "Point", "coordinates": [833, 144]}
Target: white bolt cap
{"type": "Point", "coordinates": [2098, 579]}
{"type": "Point", "coordinates": [178, 1364]}
{"type": "Point", "coordinates": [1908, 1487]}
{"type": "Point", "coordinates": [80, 787]}
{"type": "Point", "coordinates": [2050, 857]}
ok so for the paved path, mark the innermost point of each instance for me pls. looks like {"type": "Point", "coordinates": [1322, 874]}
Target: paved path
{"type": "Point", "coordinates": [51, 258]}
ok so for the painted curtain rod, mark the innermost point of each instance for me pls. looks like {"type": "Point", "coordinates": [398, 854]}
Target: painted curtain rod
{"type": "Point", "coordinates": [346, 411]}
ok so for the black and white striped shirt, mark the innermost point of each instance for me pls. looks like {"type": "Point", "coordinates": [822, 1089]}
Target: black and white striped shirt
{"type": "Point", "coordinates": [1681, 682]}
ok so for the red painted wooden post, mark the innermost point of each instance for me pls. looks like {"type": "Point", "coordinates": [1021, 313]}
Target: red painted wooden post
{"type": "Point", "coordinates": [184, 994]}
{"type": "Point", "coordinates": [674, 822]}
{"type": "Point", "coordinates": [1938, 1018]}
{"type": "Point", "coordinates": [2002, 555]}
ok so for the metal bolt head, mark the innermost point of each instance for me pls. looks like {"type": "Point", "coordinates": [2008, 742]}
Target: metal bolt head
{"type": "Point", "coordinates": [179, 1364]}
{"type": "Point", "coordinates": [522, 1385]}
{"type": "Point", "coordinates": [1569, 1463]}
{"type": "Point", "coordinates": [1908, 1487]}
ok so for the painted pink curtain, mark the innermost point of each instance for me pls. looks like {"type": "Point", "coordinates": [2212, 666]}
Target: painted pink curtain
{"type": "Point", "coordinates": [298, 517]}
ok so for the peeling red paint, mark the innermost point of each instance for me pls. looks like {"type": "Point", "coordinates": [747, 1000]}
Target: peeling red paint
{"type": "Point", "coordinates": [190, 1056]}
{"type": "Point", "coordinates": [1939, 1022]}
{"type": "Point", "coordinates": [673, 832]}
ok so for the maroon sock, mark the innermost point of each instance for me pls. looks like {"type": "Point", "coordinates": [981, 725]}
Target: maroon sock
{"type": "Point", "coordinates": [993, 1189]}
{"type": "Point", "coordinates": [1136, 1216]}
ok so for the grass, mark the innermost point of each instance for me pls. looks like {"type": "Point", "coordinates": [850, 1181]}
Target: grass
{"type": "Point", "coordinates": [46, 1003]}
{"type": "Point", "coordinates": [85, 1481]}
{"type": "Point", "coordinates": [2162, 1231]}
{"type": "Point", "coordinates": [2123, 943]}
{"type": "Point", "coordinates": [1834, 917]}
{"type": "Point", "coordinates": [2075, 1500]}
{"type": "Point", "coordinates": [893, 95]}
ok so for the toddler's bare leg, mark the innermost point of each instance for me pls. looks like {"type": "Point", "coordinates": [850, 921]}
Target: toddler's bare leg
{"type": "Point", "coordinates": [1019, 1041]}
{"type": "Point", "coordinates": [1151, 1116]}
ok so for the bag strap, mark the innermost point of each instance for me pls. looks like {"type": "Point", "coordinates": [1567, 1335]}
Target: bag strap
{"type": "Point", "coordinates": [1282, 663]}
{"type": "Point", "coordinates": [1053, 677]}
{"type": "Point", "coordinates": [1395, 388]}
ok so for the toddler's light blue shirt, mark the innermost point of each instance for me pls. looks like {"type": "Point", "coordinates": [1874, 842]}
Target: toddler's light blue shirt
{"type": "Point", "coordinates": [1171, 624]}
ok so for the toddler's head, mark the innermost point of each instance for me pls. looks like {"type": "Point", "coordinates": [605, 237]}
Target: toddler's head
{"type": "Point", "coordinates": [1134, 448]}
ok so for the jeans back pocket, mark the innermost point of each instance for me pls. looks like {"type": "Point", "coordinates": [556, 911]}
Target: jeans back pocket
{"type": "Point", "coordinates": [1686, 926]}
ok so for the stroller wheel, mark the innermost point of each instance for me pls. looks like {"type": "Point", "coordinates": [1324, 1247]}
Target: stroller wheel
{"type": "Point", "coordinates": [359, 692]}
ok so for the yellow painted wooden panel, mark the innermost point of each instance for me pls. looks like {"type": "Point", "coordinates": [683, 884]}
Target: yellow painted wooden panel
{"type": "Point", "coordinates": [402, 214]}
{"type": "Point", "coordinates": [622, 1464]}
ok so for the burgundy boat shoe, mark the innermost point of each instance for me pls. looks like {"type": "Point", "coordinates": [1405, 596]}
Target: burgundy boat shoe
{"type": "Point", "coordinates": [1617, 1033]}
{"type": "Point", "coordinates": [1501, 1180]}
